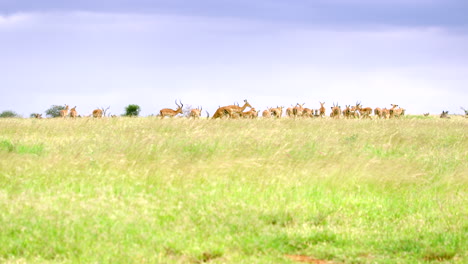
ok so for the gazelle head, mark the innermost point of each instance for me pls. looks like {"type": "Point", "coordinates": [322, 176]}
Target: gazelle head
{"type": "Point", "coordinates": [426, 114]}
{"type": "Point", "coordinates": [246, 104]}
{"type": "Point", "coordinates": [444, 114]}
{"type": "Point", "coordinates": [179, 107]}
{"type": "Point", "coordinates": [196, 113]}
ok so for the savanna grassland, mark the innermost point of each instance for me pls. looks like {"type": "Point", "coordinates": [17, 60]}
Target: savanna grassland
{"type": "Point", "coordinates": [145, 190]}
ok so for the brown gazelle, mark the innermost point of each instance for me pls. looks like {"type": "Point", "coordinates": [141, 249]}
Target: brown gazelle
{"type": "Point", "coordinates": [307, 112]}
{"type": "Point", "coordinates": [232, 111]}
{"type": "Point", "coordinates": [170, 112]}
{"type": "Point", "coordinates": [266, 113]}
{"type": "Point", "coordinates": [38, 116]}
{"type": "Point", "coordinates": [196, 113]}
{"type": "Point", "coordinates": [73, 113]}
{"type": "Point", "coordinates": [347, 111]}
{"type": "Point", "coordinates": [322, 109]}
{"type": "Point", "coordinates": [298, 110]}
{"type": "Point", "coordinates": [97, 113]}
{"type": "Point", "coordinates": [277, 112]}
{"type": "Point", "coordinates": [289, 111]}
{"type": "Point", "coordinates": [426, 114]}
{"type": "Point", "coordinates": [365, 112]}
{"type": "Point", "coordinates": [386, 113]}
{"type": "Point", "coordinates": [392, 110]}
{"type": "Point", "coordinates": [64, 112]}
{"type": "Point", "coordinates": [252, 113]}
{"type": "Point", "coordinates": [378, 112]}
{"type": "Point", "coordinates": [335, 111]}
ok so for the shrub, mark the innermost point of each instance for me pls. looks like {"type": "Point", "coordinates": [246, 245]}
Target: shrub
{"type": "Point", "coordinates": [54, 111]}
{"type": "Point", "coordinates": [132, 110]}
{"type": "Point", "coordinates": [8, 113]}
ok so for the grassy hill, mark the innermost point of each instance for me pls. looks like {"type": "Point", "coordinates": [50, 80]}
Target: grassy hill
{"type": "Point", "coordinates": [145, 190]}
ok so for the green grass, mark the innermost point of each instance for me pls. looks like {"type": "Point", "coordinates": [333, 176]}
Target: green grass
{"type": "Point", "coordinates": [144, 190]}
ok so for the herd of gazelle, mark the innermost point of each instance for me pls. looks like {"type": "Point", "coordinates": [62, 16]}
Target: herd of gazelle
{"type": "Point", "coordinates": [298, 111]}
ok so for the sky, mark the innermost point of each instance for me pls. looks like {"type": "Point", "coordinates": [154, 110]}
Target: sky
{"type": "Point", "coordinates": [210, 53]}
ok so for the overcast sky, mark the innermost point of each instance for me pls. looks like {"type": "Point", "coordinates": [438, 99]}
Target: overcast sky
{"type": "Point", "coordinates": [99, 53]}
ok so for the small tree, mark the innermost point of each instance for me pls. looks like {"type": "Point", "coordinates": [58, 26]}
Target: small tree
{"type": "Point", "coordinates": [132, 110]}
{"type": "Point", "coordinates": [54, 111]}
{"type": "Point", "coordinates": [8, 113]}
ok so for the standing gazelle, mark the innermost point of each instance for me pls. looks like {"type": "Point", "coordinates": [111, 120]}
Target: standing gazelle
{"type": "Point", "coordinates": [170, 112]}
{"type": "Point", "coordinates": [277, 112]}
{"type": "Point", "coordinates": [64, 112]}
{"type": "Point", "coordinates": [195, 113]}
{"type": "Point", "coordinates": [322, 109]}
{"type": "Point", "coordinates": [73, 113]}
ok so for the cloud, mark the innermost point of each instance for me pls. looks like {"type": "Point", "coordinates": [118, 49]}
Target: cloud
{"type": "Point", "coordinates": [15, 20]}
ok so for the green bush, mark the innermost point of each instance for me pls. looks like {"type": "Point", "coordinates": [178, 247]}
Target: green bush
{"type": "Point", "coordinates": [132, 110]}
{"type": "Point", "coordinates": [8, 113]}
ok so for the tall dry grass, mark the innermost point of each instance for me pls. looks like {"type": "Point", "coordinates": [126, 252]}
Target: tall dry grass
{"type": "Point", "coordinates": [133, 190]}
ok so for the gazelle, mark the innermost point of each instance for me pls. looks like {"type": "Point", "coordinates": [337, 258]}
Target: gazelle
{"type": "Point", "coordinates": [426, 114]}
{"type": "Point", "coordinates": [298, 110]}
{"type": "Point", "coordinates": [347, 111]}
{"type": "Point", "coordinates": [266, 113]}
{"type": "Point", "coordinates": [289, 111]}
{"type": "Point", "coordinates": [277, 112]}
{"type": "Point", "coordinates": [97, 113]}
{"type": "Point", "coordinates": [252, 113]}
{"type": "Point", "coordinates": [396, 112]}
{"type": "Point", "coordinates": [444, 115]}
{"type": "Point", "coordinates": [386, 113]}
{"type": "Point", "coordinates": [73, 113]}
{"type": "Point", "coordinates": [365, 112]}
{"type": "Point", "coordinates": [378, 112]}
{"type": "Point", "coordinates": [38, 116]}
{"type": "Point", "coordinates": [64, 112]}
{"type": "Point", "coordinates": [322, 109]}
{"type": "Point", "coordinates": [392, 110]}
{"type": "Point", "coordinates": [196, 113]}
{"type": "Point", "coordinates": [231, 111]}
{"type": "Point", "coordinates": [170, 112]}
{"type": "Point", "coordinates": [307, 112]}
{"type": "Point", "coordinates": [335, 111]}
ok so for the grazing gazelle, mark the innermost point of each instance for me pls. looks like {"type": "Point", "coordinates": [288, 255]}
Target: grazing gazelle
{"type": "Point", "coordinates": [195, 113]}
{"type": "Point", "coordinates": [170, 112]}
{"type": "Point", "coordinates": [444, 115]}
{"type": "Point", "coordinates": [64, 112]}
{"type": "Point", "coordinates": [73, 113]}
{"type": "Point", "coordinates": [232, 111]}
{"type": "Point", "coordinates": [97, 113]}
{"type": "Point", "coordinates": [322, 109]}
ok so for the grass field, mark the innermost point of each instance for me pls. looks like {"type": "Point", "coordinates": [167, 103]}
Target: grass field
{"type": "Point", "coordinates": [144, 190]}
